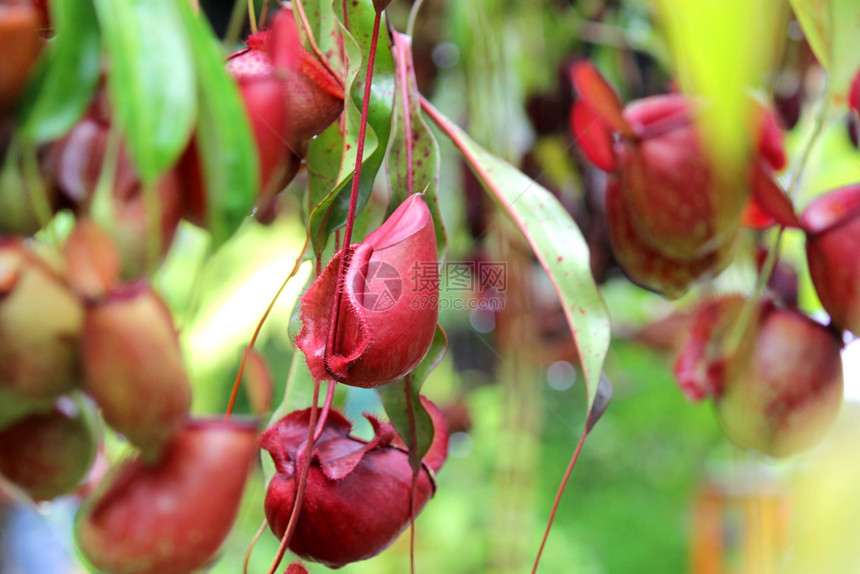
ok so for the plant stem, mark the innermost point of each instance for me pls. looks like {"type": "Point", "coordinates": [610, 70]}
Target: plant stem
{"type": "Point", "coordinates": [34, 184]}
{"type": "Point", "coordinates": [264, 13]}
{"type": "Point", "coordinates": [416, 468]}
{"type": "Point", "coordinates": [252, 16]}
{"type": "Point", "coordinates": [301, 484]}
{"type": "Point", "coordinates": [353, 204]}
{"type": "Point", "coordinates": [152, 212]}
{"type": "Point", "coordinates": [401, 46]}
{"type": "Point", "coordinates": [331, 343]}
{"type": "Point", "coordinates": [412, 521]}
{"type": "Point", "coordinates": [101, 206]}
{"type": "Point", "coordinates": [413, 15]}
{"type": "Point", "coordinates": [413, 430]}
{"type": "Point", "coordinates": [746, 313]}
{"type": "Point", "coordinates": [329, 398]}
{"type": "Point", "coordinates": [234, 26]}
{"type": "Point", "coordinates": [362, 132]}
{"type": "Point", "coordinates": [770, 262]}
{"type": "Point", "coordinates": [558, 497]}
{"type": "Point", "coordinates": [312, 42]}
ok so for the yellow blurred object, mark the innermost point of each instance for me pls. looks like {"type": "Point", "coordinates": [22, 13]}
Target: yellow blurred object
{"type": "Point", "coordinates": [739, 521]}
{"type": "Point", "coordinates": [802, 517]}
{"type": "Point", "coordinates": [831, 27]}
{"type": "Point", "coordinates": [825, 526]}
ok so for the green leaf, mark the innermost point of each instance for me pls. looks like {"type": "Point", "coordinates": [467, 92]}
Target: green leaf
{"type": "Point", "coordinates": [832, 28]}
{"type": "Point", "coordinates": [402, 402]}
{"type": "Point", "coordinates": [151, 79]}
{"type": "Point", "coordinates": [845, 55]}
{"type": "Point", "coordinates": [413, 156]}
{"type": "Point", "coordinates": [361, 17]}
{"type": "Point", "coordinates": [228, 154]}
{"type": "Point", "coordinates": [331, 155]}
{"type": "Point", "coordinates": [24, 204]}
{"type": "Point", "coordinates": [555, 240]}
{"type": "Point", "coordinates": [330, 189]}
{"type": "Point", "coordinates": [67, 74]}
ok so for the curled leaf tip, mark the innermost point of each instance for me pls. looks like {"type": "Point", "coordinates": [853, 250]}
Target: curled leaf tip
{"type": "Point", "coordinates": [380, 5]}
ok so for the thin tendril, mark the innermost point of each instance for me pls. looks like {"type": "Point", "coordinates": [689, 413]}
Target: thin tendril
{"type": "Point", "coordinates": [252, 16]}
{"type": "Point", "coordinates": [329, 398]}
{"type": "Point", "coordinates": [412, 522]}
{"type": "Point", "coordinates": [820, 120]}
{"type": "Point", "coordinates": [152, 212]}
{"type": "Point", "coordinates": [331, 343]}
{"type": "Point", "coordinates": [558, 498]}
{"type": "Point", "coordinates": [416, 467]}
{"type": "Point", "coordinates": [302, 483]}
{"type": "Point", "coordinates": [234, 26]}
{"type": "Point", "coordinates": [365, 109]}
{"type": "Point", "coordinates": [312, 42]}
{"type": "Point", "coordinates": [413, 15]}
{"type": "Point", "coordinates": [262, 320]}
{"type": "Point", "coordinates": [306, 460]}
{"type": "Point", "coordinates": [251, 546]}
{"type": "Point", "coordinates": [746, 313]}
{"type": "Point", "coordinates": [264, 13]}
{"type": "Point", "coordinates": [33, 182]}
